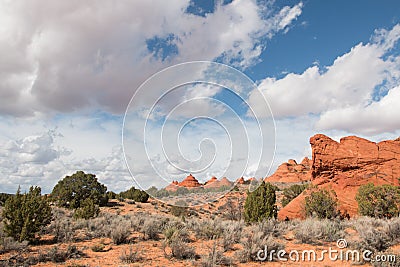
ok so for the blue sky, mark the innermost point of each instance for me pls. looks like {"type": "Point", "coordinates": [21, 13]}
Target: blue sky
{"type": "Point", "coordinates": [67, 76]}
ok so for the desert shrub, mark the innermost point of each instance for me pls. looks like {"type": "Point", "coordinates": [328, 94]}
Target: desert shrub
{"type": "Point", "coordinates": [18, 260]}
{"type": "Point", "coordinates": [151, 230]}
{"type": "Point", "coordinates": [215, 257]}
{"type": "Point", "coordinates": [57, 256]}
{"type": "Point", "coordinates": [232, 233]}
{"type": "Point", "coordinates": [393, 229]}
{"type": "Point", "coordinates": [175, 229]}
{"type": "Point", "coordinates": [179, 209]}
{"type": "Point", "coordinates": [292, 192]}
{"type": "Point", "coordinates": [63, 230]}
{"type": "Point", "coordinates": [374, 239]}
{"type": "Point", "coordinates": [137, 222]}
{"type": "Point", "coordinates": [378, 201]}
{"type": "Point", "coordinates": [61, 227]}
{"type": "Point", "coordinates": [9, 244]}
{"type": "Point", "coordinates": [99, 247]}
{"type": "Point", "coordinates": [181, 250]}
{"type": "Point", "coordinates": [232, 210]}
{"type": "Point", "coordinates": [102, 225]}
{"type": "Point", "coordinates": [313, 231]}
{"type": "Point", "coordinates": [272, 227]}
{"type": "Point", "coordinates": [119, 231]}
{"type": "Point", "coordinates": [26, 214]}
{"type": "Point", "coordinates": [177, 238]}
{"type": "Point", "coordinates": [71, 191]}
{"type": "Point", "coordinates": [375, 234]}
{"type": "Point", "coordinates": [322, 204]}
{"type": "Point", "coordinates": [130, 256]}
{"type": "Point", "coordinates": [260, 203]}
{"type": "Point", "coordinates": [207, 228]}
{"type": "Point", "coordinates": [253, 241]}
{"type": "Point", "coordinates": [135, 194]}
{"type": "Point", "coordinates": [87, 210]}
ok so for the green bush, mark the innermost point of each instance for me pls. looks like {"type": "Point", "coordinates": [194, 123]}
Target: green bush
{"type": "Point", "coordinates": [3, 198]}
{"type": "Point", "coordinates": [292, 192]}
{"type": "Point", "coordinates": [87, 210]}
{"type": "Point", "coordinates": [71, 191]}
{"type": "Point", "coordinates": [378, 201]}
{"type": "Point", "coordinates": [135, 194]}
{"type": "Point", "coordinates": [26, 214]}
{"type": "Point", "coordinates": [111, 195]}
{"type": "Point", "coordinates": [260, 203]}
{"type": "Point", "coordinates": [322, 204]}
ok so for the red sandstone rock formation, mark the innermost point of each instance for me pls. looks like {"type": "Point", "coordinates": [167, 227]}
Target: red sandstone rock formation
{"type": "Point", "coordinates": [215, 183]}
{"type": "Point", "coordinates": [347, 165]}
{"type": "Point", "coordinates": [225, 182]}
{"type": "Point", "coordinates": [291, 172]}
{"type": "Point", "coordinates": [241, 180]}
{"type": "Point", "coordinates": [212, 180]}
{"type": "Point", "coordinates": [190, 182]}
{"type": "Point", "coordinates": [172, 186]}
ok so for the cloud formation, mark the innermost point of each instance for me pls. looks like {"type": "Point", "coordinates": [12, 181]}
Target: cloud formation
{"type": "Point", "coordinates": [357, 93]}
{"type": "Point", "coordinates": [73, 55]}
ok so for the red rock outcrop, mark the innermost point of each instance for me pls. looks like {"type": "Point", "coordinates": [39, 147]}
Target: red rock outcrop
{"type": "Point", "coordinates": [215, 183]}
{"type": "Point", "coordinates": [346, 165]}
{"type": "Point", "coordinates": [241, 180]}
{"type": "Point", "coordinates": [190, 182]}
{"type": "Point", "coordinates": [212, 180]}
{"type": "Point", "coordinates": [291, 172]}
{"type": "Point", "coordinates": [172, 186]}
{"type": "Point", "coordinates": [225, 182]}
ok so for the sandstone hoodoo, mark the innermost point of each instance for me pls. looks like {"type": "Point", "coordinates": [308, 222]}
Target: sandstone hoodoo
{"type": "Point", "coordinates": [190, 182]}
{"type": "Point", "coordinates": [241, 180]}
{"type": "Point", "coordinates": [346, 165]}
{"type": "Point", "coordinates": [291, 172]}
{"type": "Point", "coordinates": [212, 180]}
{"type": "Point", "coordinates": [215, 183]}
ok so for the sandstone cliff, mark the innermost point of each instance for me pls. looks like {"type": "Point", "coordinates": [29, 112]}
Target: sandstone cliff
{"type": "Point", "coordinates": [346, 165]}
{"type": "Point", "coordinates": [291, 172]}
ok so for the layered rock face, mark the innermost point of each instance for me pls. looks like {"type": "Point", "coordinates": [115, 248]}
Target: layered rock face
{"type": "Point", "coordinates": [190, 182]}
{"type": "Point", "coordinates": [291, 172]}
{"type": "Point", "coordinates": [355, 157]}
{"type": "Point", "coordinates": [346, 165]}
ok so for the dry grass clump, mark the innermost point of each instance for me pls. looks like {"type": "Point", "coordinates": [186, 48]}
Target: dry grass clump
{"type": "Point", "coordinates": [177, 238]}
{"type": "Point", "coordinates": [232, 233]}
{"type": "Point", "coordinates": [207, 228]}
{"type": "Point", "coordinates": [54, 255]}
{"type": "Point", "coordinates": [119, 230]}
{"type": "Point", "coordinates": [181, 250]}
{"type": "Point", "coordinates": [215, 257]}
{"type": "Point", "coordinates": [131, 256]}
{"type": "Point", "coordinates": [313, 231]}
{"type": "Point", "coordinates": [273, 227]}
{"type": "Point", "coordinates": [255, 240]}
{"type": "Point", "coordinates": [377, 234]}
